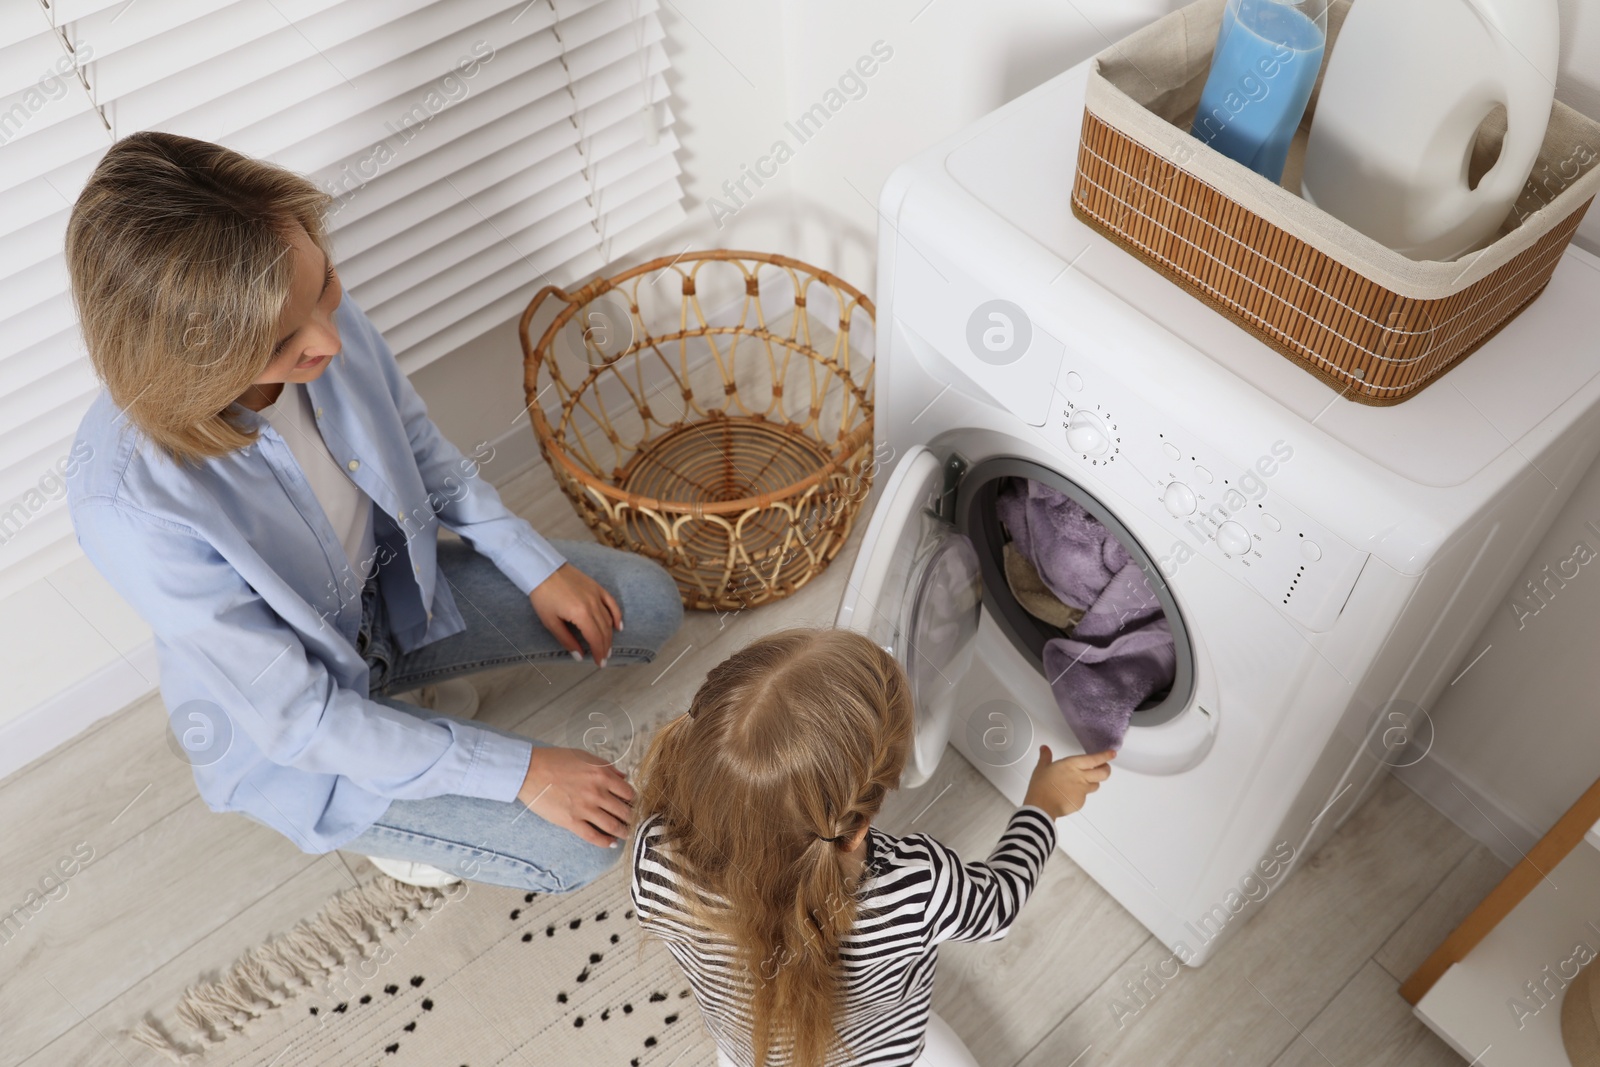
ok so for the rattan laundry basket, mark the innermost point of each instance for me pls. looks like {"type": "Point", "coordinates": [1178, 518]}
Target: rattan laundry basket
{"type": "Point", "coordinates": [733, 446]}
{"type": "Point", "coordinates": [1374, 325]}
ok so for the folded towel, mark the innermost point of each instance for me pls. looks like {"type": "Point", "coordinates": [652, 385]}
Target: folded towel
{"type": "Point", "coordinates": [1031, 592]}
{"type": "Point", "coordinates": [1120, 652]}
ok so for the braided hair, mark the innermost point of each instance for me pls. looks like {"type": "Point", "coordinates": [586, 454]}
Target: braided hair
{"type": "Point", "coordinates": [784, 757]}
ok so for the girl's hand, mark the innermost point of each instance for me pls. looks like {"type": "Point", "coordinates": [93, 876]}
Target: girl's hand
{"type": "Point", "coordinates": [1061, 786]}
{"type": "Point", "coordinates": [571, 596]}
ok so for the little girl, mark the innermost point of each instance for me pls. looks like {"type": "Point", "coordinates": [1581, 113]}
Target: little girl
{"type": "Point", "coordinates": [809, 937]}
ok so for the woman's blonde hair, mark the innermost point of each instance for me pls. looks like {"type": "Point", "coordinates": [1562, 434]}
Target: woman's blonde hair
{"type": "Point", "coordinates": [181, 258]}
{"type": "Point", "coordinates": [787, 750]}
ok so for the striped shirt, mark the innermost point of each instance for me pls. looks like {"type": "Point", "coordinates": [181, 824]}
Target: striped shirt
{"type": "Point", "coordinates": [916, 893]}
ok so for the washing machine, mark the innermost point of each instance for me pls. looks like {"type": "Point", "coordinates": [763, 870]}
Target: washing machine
{"type": "Point", "coordinates": [1323, 565]}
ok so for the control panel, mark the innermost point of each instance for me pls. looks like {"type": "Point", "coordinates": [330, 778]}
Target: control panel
{"type": "Point", "coordinates": [1212, 506]}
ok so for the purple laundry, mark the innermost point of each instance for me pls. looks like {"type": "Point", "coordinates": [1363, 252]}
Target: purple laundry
{"type": "Point", "coordinates": [1098, 687]}
{"type": "Point", "coordinates": [1072, 552]}
{"type": "Point", "coordinates": [1121, 652]}
{"type": "Point", "coordinates": [1126, 603]}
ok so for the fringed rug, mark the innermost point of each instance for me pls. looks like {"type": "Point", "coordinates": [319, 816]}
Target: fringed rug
{"type": "Point", "coordinates": [472, 975]}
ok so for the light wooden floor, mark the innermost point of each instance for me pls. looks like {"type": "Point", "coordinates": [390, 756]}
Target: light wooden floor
{"type": "Point", "coordinates": [174, 892]}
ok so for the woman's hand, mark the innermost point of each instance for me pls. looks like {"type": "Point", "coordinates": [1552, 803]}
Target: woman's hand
{"type": "Point", "coordinates": [571, 596]}
{"type": "Point", "coordinates": [1061, 786]}
{"type": "Point", "coordinates": [580, 792]}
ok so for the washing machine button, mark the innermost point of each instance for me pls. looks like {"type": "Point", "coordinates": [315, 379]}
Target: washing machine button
{"type": "Point", "coordinates": [1201, 473]}
{"type": "Point", "coordinates": [1073, 381]}
{"type": "Point", "coordinates": [1271, 521]}
{"type": "Point", "coordinates": [1311, 550]}
{"type": "Point", "coordinates": [1178, 499]}
{"type": "Point", "coordinates": [1172, 450]}
{"type": "Point", "coordinates": [1233, 538]}
{"type": "Point", "coordinates": [1086, 433]}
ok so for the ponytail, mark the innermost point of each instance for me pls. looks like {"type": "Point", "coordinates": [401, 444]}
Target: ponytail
{"type": "Point", "coordinates": [785, 755]}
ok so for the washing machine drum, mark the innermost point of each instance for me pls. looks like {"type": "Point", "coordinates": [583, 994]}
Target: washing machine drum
{"type": "Point", "coordinates": [1141, 618]}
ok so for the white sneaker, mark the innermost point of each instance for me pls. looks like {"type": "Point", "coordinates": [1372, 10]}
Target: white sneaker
{"type": "Point", "coordinates": [453, 696]}
{"type": "Point", "coordinates": [417, 874]}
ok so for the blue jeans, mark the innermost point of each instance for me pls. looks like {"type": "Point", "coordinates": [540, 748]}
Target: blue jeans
{"type": "Point", "coordinates": [485, 840]}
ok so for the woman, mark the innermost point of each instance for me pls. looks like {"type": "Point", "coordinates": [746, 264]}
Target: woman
{"type": "Point", "coordinates": [266, 490]}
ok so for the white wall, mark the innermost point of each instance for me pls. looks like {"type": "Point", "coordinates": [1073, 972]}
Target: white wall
{"type": "Point", "coordinates": [1517, 738]}
{"type": "Point", "coordinates": [954, 61]}
{"type": "Point", "coordinates": [1579, 84]}
{"type": "Point", "coordinates": [72, 651]}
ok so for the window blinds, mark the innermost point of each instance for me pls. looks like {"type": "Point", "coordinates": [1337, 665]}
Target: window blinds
{"type": "Point", "coordinates": [477, 149]}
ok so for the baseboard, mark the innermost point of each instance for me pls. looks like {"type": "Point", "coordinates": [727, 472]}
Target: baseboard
{"type": "Point", "coordinates": [45, 727]}
{"type": "Point", "coordinates": [1475, 811]}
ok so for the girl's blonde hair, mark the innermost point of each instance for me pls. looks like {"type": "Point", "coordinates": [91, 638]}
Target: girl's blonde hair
{"type": "Point", "coordinates": [790, 742]}
{"type": "Point", "coordinates": [181, 258]}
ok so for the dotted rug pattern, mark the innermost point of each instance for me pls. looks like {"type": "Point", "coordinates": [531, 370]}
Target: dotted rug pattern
{"type": "Point", "coordinates": [494, 978]}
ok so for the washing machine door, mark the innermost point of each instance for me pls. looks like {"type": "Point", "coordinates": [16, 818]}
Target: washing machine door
{"type": "Point", "coordinates": [917, 590]}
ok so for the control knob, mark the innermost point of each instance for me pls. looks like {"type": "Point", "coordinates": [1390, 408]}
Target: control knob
{"type": "Point", "coordinates": [1233, 538]}
{"type": "Point", "coordinates": [1178, 499]}
{"type": "Point", "coordinates": [1086, 433]}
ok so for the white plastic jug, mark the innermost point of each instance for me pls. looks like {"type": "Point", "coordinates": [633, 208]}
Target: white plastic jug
{"type": "Point", "coordinates": [1406, 87]}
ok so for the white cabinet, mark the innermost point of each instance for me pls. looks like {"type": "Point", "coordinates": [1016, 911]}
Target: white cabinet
{"type": "Point", "coordinates": [1500, 1006]}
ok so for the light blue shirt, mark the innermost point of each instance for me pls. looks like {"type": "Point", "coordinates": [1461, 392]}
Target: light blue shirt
{"type": "Point", "coordinates": [255, 607]}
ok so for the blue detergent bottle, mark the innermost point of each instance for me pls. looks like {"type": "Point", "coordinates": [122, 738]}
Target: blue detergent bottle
{"type": "Point", "coordinates": [1262, 73]}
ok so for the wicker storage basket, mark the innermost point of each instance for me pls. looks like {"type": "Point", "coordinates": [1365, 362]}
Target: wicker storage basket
{"type": "Point", "coordinates": [733, 448]}
{"type": "Point", "coordinates": [1370, 322]}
